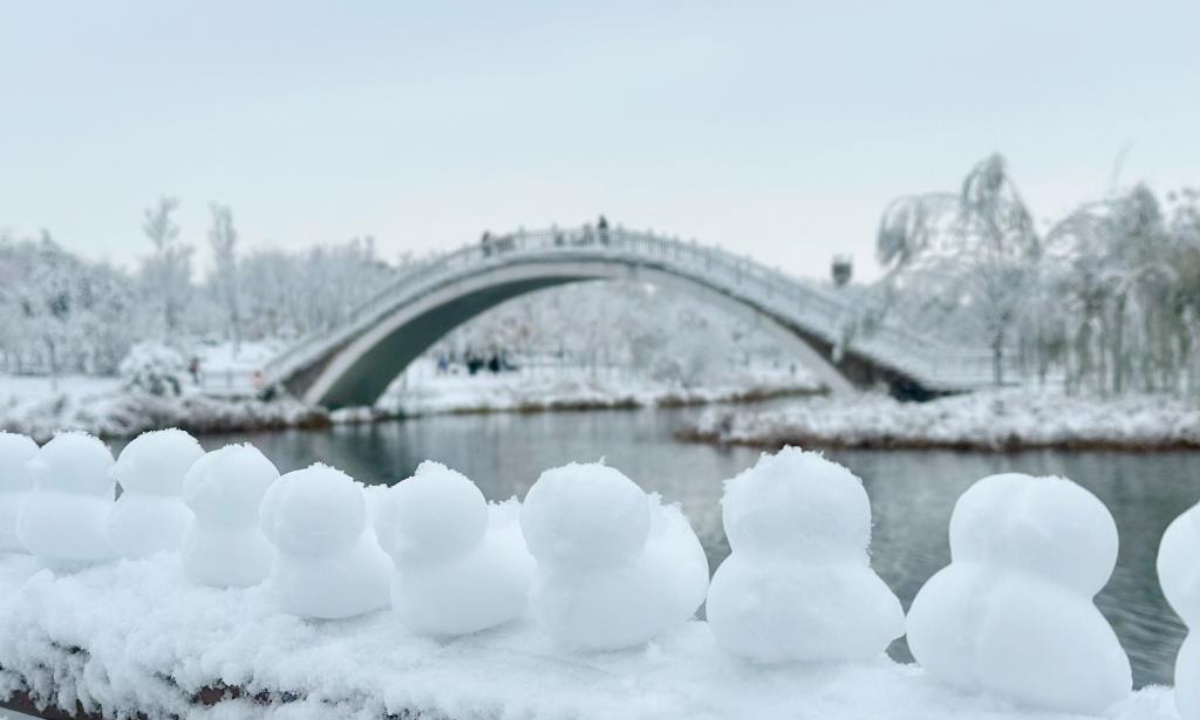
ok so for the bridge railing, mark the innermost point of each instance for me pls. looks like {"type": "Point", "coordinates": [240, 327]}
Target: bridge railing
{"type": "Point", "coordinates": [800, 301]}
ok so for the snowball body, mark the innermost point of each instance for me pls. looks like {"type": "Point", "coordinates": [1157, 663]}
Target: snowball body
{"type": "Point", "coordinates": [797, 585]}
{"type": "Point", "coordinates": [615, 567]}
{"type": "Point", "coordinates": [1179, 575]}
{"type": "Point", "coordinates": [224, 545]}
{"type": "Point", "coordinates": [63, 521]}
{"type": "Point", "coordinates": [16, 482]}
{"type": "Point", "coordinates": [150, 515]}
{"type": "Point", "coordinates": [328, 563]}
{"type": "Point", "coordinates": [460, 565]}
{"type": "Point", "coordinates": [1013, 614]}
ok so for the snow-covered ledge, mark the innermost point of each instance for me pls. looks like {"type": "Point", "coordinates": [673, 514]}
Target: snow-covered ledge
{"type": "Point", "coordinates": [136, 637]}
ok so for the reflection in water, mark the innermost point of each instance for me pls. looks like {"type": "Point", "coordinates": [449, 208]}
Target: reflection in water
{"type": "Point", "coordinates": [912, 492]}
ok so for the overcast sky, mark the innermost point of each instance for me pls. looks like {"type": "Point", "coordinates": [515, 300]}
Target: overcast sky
{"type": "Point", "coordinates": [779, 129]}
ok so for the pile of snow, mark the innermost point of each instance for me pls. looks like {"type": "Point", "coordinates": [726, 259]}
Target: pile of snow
{"type": "Point", "coordinates": [985, 420]}
{"type": "Point", "coordinates": [225, 546]}
{"type": "Point", "coordinates": [64, 520]}
{"type": "Point", "coordinates": [294, 619]}
{"type": "Point", "coordinates": [798, 584]}
{"type": "Point", "coordinates": [329, 564]}
{"type": "Point", "coordinates": [150, 516]}
{"type": "Point", "coordinates": [1179, 573]}
{"type": "Point", "coordinates": [460, 566]}
{"type": "Point", "coordinates": [136, 636]}
{"type": "Point", "coordinates": [103, 407]}
{"type": "Point", "coordinates": [615, 567]}
{"type": "Point", "coordinates": [1012, 614]}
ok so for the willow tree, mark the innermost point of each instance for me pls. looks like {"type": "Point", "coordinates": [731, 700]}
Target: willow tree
{"type": "Point", "coordinates": [972, 255]}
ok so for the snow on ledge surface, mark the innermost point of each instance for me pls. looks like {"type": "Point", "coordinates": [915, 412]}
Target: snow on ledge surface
{"type": "Point", "coordinates": [135, 636]}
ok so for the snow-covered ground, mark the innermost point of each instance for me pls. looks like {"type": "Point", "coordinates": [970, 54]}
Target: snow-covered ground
{"type": "Point", "coordinates": [102, 406]}
{"type": "Point", "coordinates": [988, 420]}
{"type": "Point", "coordinates": [424, 391]}
{"type": "Point", "coordinates": [135, 635]}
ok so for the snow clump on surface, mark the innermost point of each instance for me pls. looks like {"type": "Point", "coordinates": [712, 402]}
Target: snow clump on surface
{"type": "Point", "coordinates": [615, 566]}
{"type": "Point", "coordinates": [1012, 614]}
{"type": "Point", "coordinates": [798, 584]}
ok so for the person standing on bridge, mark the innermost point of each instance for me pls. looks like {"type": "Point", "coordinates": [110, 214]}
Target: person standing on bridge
{"type": "Point", "coordinates": [485, 243]}
{"type": "Point", "coordinates": [602, 229]}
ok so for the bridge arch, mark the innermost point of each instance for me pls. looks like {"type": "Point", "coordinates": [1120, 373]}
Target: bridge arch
{"type": "Point", "coordinates": [359, 372]}
{"type": "Point", "coordinates": [354, 364]}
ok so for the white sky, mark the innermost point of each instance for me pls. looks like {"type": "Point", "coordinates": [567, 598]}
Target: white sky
{"type": "Point", "coordinates": [779, 129]}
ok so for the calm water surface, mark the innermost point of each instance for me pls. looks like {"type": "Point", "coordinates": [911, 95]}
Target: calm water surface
{"type": "Point", "coordinates": [912, 492]}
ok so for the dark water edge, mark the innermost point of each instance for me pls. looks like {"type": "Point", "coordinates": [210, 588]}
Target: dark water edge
{"type": "Point", "coordinates": [912, 491]}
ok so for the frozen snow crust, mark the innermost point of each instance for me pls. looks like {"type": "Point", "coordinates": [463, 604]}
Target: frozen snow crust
{"type": "Point", "coordinates": [310, 596]}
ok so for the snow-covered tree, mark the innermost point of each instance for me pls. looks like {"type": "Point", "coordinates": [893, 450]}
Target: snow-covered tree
{"type": "Point", "coordinates": [222, 238]}
{"type": "Point", "coordinates": [971, 255]}
{"type": "Point", "coordinates": [167, 272]}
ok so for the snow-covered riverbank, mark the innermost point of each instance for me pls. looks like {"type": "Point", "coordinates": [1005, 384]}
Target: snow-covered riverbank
{"type": "Point", "coordinates": [32, 406]}
{"type": "Point", "coordinates": [135, 636]}
{"type": "Point", "coordinates": [102, 406]}
{"type": "Point", "coordinates": [986, 420]}
{"type": "Point", "coordinates": [425, 392]}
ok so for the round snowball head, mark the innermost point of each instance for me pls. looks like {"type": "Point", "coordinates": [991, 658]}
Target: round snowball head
{"type": "Point", "coordinates": [798, 505]}
{"type": "Point", "coordinates": [1178, 568]}
{"type": "Point", "coordinates": [438, 514]}
{"type": "Point", "coordinates": [73, 462]}
{"type": "Point", "coordinates": [15, 451]}
{"type": "Point", "coordinates": [155, 462]}
{"type": "Point", "coordinates": [314, 511]}
{"type": "Point", "coordinates": [587, 515]}
{"type": "Point", "coordinates": [1048, 527]}
{"type": "Point", "coordinates": [226, 486]}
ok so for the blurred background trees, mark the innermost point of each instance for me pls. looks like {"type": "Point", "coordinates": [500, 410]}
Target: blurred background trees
{"type": "Point", "coordinates": [1104, 299]}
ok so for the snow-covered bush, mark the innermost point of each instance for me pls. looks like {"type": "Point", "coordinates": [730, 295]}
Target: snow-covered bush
{"type": "Point", "coordinates": [154, 368]}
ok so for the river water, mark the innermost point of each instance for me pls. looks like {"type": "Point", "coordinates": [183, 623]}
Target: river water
{"type": "Point", "coordinates": [912, 492]}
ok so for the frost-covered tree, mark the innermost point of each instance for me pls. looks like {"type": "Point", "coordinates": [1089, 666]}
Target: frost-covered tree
{"type": "Point", "coordinates": [222, 238]}
{"type": "Point", "coordinates": [971, 255]}
{"type": "Point", "coordinates": [167, 272]}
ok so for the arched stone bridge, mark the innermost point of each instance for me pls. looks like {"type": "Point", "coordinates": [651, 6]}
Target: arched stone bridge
{"type": "Point", "coordinates": [354, 364]}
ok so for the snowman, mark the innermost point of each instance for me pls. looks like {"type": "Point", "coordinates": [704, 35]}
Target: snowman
{"type": "Point", "coordinates": [63, 521]}
{"type": "Point", "coordinates": [15, 483]}
{"type": "Point", "coordinates": [615, 567]}
{"type": "Point", "coordinates": [224, 545]}
{"type": "Point", "coordinates": [151, 516]}
{"type": "Point", "coordinates": [1179, 575]}
{"type": "Point", "coordinates": [798, 585]}
{"type": "Point", "coordinates": [461, 566]}
{"type": "Point", "coordinates": [1012, 614]}
{"type": "Point", "coordinates": [328, 563]}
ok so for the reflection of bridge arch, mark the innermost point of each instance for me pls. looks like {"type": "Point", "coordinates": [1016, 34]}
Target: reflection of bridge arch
{"type": "Point", "coordinates": [355, 364]}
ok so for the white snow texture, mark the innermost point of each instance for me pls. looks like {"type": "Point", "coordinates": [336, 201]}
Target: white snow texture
{"type": "Point", "coordinates": [16, 481]}
{"type": "Point", "coordinates": [329, 564]}
{"type": "Point", "coordinates": [461, 566]}
{"type": "Point", "coordinates": [1013, 614]}
{"type": "Point", "coordinates": [1179, 574]}
{"type": "Point", "coordinates": [615, 567]}
{"type": "Point", "coordinates": [224, 545]}
{"type": "Point", "coordinates": [798, 585]}
{"type": "Point", "coordinates": [151, 516]}
{"type": "Point", "coordinates": [63, 521]}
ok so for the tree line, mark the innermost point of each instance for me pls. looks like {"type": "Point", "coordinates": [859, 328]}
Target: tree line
{"type": "Point", "coordinates": [60, 313]}
{"type": "Point", "coordinates": [1104, 300]}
